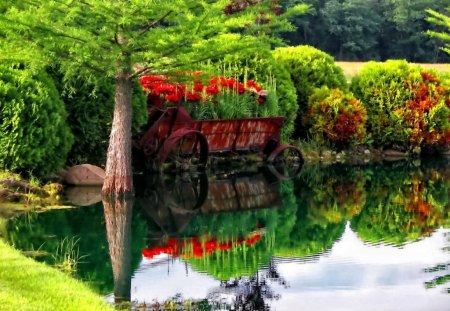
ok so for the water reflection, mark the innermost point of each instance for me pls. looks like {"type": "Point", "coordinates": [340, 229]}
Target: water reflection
{"type": "Point", "coordinates": [376, 235]}
{"type": "Point", "coordinates": [118, 218]}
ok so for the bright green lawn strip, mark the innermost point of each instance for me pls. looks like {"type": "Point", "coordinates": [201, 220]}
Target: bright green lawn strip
{"type": "Point", "coordinates": [28, 285]}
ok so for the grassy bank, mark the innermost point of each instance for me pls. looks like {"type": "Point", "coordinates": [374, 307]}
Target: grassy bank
{"type": "Point", "coordinates": [29, 285]}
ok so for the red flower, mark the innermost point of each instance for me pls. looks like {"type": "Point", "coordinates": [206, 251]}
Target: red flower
{"type": "Point", "coordinates": [240, 88]}
{"type": "Point", "coordinates": [198, 87]}
{"type": "Point", "coordinates": [174, 98]}
{"type": "Point", "coordinates": [211, 245]}
{"type": "Point", "coordinates": [212, 90]}
{"type": "Point", "coordinates": [193, 97]}
{"type": "Point", "coordinates": [253, 85]}
{"type": "Point", "coordinates": [219, 81]}
{"type": "Point", "coordinates": [231, 83]}
{"type": "Point", "coordinates": [225, 246]}
{"type": "Point", "coordinates": [261, 100]}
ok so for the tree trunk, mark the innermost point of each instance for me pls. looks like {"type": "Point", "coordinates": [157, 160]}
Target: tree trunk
{"type": "Point", "coordinates": [119, 175]}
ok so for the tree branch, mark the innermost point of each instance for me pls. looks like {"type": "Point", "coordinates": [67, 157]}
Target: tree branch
{"type": "Point", "coordinates": [139, 72]}
{"type": "Point", "coordinates": [155, 22]}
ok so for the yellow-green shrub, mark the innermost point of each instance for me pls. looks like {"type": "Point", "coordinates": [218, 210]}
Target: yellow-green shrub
{"type": "Point", "coordinates": [407, 107]}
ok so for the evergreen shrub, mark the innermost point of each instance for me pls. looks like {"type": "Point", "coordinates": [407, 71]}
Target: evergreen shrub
{"type": "Point", "coordinates": [309, 69]}
{"type": "Point", "coordinates": [407, 107]}
{"type": "Point", "coordinates": [336, 117]}
{"type": "Point", "coordinates": [90, 104]}
{"type": "Point", "coordinates": [34, 135]}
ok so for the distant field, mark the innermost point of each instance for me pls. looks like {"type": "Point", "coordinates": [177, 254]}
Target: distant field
{"type": "Point", "coordinates": [352, 68]}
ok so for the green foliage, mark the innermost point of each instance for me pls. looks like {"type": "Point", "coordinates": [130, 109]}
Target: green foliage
{"type": "Point", "coordinates": [407, 107]}
{"type": "Point", "coordinates": [242, 260]}
{"type": "Point", "coordinates": [99, 37]}
{"type": "Point", "coordinates": [262, 67]}
{"type": "Point", "coordinates": [90, 105]}
{"type": "Point", "coordinates": [443, 21]}
{"type": "Point", "coordinates": [34, 135]}
{"type": "Point", "coordinates": [336, 117]}
{"type": "Point", "coordinates": [310, 68]}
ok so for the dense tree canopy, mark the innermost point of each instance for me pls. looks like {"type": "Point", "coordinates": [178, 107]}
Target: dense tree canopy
{"type": "Point", "coordinates": [370, 29]}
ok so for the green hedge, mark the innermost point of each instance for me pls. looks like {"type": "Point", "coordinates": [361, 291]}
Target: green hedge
{"type": "Point", "coordinates": [90, 105]}
{"type": "Point", "coordinates": [34, 135]}
{"type": "Point", "coordinates": [310, 68]}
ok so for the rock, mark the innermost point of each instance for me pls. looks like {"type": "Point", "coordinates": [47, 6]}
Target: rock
{"type": "Point", "coordinates": [391, 153]}
{"type": "Point", "coordinates": [85, 175]}
{"type": "Point", "coordinates": [84, 196]}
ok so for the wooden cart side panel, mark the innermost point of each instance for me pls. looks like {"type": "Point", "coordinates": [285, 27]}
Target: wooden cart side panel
{"type": "Point", "coordinates": [220, 134]}
{"type": "Point", "coordinates": [254, 134]}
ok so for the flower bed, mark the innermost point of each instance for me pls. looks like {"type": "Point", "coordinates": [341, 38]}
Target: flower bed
{"type": "Point", "coordinates": [219, 98]}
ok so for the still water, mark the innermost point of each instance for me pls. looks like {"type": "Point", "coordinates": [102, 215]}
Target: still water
{"type": "Point", "coordinates": [374, 237]}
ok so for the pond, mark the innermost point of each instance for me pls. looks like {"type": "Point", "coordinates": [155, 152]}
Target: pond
{"type": "Point", "coordinates": [372, 237]}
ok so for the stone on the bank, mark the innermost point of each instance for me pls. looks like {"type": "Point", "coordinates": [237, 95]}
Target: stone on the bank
{"type": "Point", "coordinates": [391, 153]}
{"type": "Point", "coordinates": [85, 175]}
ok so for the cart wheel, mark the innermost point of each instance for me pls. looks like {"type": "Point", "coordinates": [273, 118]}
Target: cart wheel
{"type": "Point", "coordinates": [184, 150]}
{"type": "Point", "coordinates": [186, 192]}
{"type": "Point", "coordinates": [285, 161]}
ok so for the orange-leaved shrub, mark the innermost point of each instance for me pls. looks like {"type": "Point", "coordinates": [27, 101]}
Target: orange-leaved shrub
{"type": "Point", "coordinates": [336, 117]}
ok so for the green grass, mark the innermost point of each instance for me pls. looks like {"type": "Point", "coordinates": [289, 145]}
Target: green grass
{"type": "Point", "coordinates": [28, 285]}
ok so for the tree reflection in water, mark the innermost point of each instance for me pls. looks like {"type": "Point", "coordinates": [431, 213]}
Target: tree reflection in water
{"type": "Point", "coordinates": [249, 293]}
{"type": "Point", "coordinates": [118, 217]}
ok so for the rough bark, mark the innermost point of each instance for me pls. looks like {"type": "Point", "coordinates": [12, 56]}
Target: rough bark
{"type": "Point", "coordinates": [119, 175]}
{"type": "Point", "coordinates": [118, 214]}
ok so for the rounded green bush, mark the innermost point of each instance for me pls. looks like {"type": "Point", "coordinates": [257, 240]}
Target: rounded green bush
{"type": "Point", "coordinates": [310, 68]}
{"type": "Point", "coordinates": [90, 105]}
{"type": "Point", "coordinates": [262, 66]}
{"type": "Point", "coordinates": [34, 135]}
{"type": "Point", "coordinates": [407, 106]}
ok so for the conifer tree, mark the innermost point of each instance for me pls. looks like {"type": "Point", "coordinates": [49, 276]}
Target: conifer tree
{"type": "Point", "coordinates": [440, 20]}
{"type": "Point", "coordinates": [111, 37]}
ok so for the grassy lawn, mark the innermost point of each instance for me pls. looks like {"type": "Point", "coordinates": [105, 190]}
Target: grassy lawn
{"type": "Point", "coordinates": [28, 285]}
{"type": "Point", "coordinates": [352, 68]}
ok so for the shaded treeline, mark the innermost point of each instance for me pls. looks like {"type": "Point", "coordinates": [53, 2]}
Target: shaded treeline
{"type": "Point", "coordinates": [362, 30]}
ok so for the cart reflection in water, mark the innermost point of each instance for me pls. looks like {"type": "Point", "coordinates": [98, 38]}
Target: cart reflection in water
{"type": "Point", "coordinates": [171, 204]}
